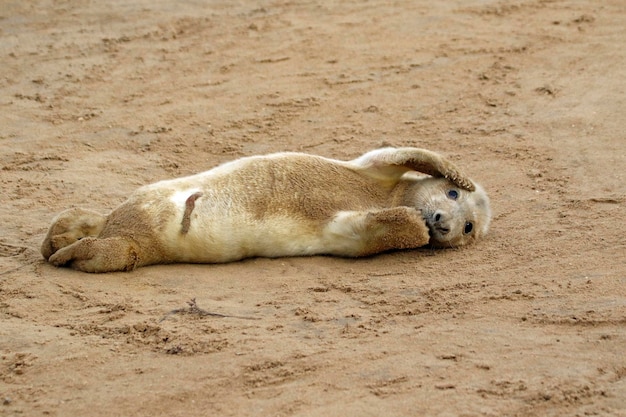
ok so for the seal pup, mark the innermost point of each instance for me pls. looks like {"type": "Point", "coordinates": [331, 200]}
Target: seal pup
{"type": "Point", "coordinates": [283, 204]}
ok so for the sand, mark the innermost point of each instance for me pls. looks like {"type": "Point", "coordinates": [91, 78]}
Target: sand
{"type": "Point", "coordinates": [528, 97]}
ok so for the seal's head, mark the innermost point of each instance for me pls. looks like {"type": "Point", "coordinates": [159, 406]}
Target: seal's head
{"type": "Point", "coordinates": [454, 216]}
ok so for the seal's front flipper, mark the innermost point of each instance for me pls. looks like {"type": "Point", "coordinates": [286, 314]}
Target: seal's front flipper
{"type": "Point", "coordinates": [389, 164]}
{"type": "Point", "coordinates": [363, 233]}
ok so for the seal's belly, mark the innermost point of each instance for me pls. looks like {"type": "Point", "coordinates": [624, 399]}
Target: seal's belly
{"type": "Point", "coordinates": [209, 226]}
{"type": "Point", "coordinates": [229, 239]}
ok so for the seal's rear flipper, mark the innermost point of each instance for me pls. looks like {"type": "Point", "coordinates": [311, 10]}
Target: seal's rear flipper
{"type": "Point", "coordinates": [99, 255]}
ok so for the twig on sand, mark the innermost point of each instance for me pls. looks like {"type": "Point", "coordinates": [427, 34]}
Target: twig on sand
{"type": "Point", "coordinates": [194, 309]}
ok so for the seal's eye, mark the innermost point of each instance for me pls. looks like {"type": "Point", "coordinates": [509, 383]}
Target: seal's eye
{"type": "Point", "coordinates": [452, 194]}
{"type": "Point", "coordinates": [468, 227]}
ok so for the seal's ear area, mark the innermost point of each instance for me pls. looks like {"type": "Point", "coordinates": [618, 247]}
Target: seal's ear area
{"type": "Point", "coordinates": [482, 210]}
{"type": "Point", "coordinates": [389, 164]}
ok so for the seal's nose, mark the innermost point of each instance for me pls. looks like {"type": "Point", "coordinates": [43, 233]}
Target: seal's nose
{"type": "Point", "coordinates": [437, 221]}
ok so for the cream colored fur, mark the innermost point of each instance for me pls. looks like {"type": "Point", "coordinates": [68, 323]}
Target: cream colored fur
{"type": "Point", "coordinates": [284, 204]}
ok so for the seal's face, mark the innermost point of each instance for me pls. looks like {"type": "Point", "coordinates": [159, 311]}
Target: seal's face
{"type": "Point", "coordinates": [455, 217]}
